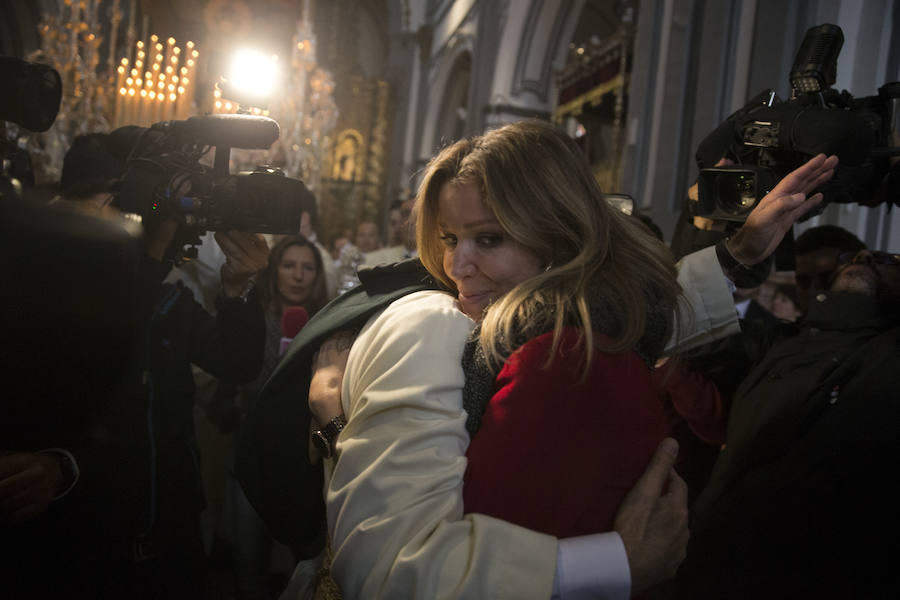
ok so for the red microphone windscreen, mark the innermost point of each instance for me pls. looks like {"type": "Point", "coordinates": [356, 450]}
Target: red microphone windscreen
{"type": "Point", "coordinates": [293, 320]}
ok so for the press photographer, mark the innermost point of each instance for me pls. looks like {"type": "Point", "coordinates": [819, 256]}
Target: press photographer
{"type": "Point", "coordinates": [129, 527]}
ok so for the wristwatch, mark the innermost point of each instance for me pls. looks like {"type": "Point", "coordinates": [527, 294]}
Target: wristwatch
{"type": "Point", "coordinates": [325, 438]}
{"type": "Point", "coordinates": [741, 275]}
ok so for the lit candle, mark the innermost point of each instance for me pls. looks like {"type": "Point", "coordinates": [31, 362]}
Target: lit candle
{"type": "Point", "coordinates": [170, 47]}
{"type": "Point", "coordinates": [142, 115]}
{"type": "Point", "coordinates": [130, 33]}
{"type": "Point", "coordinates": [120, 78]}
{"type": "Point", "coordinates": [121, 94]}
{"type": "Point", "coordinates": [145, 26]}
{"type": "Point", "coordinates": [130, 102]}
{"type": "Point", "coordinates": [160, 108]}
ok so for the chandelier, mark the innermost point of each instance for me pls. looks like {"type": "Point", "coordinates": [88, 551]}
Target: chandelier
{"type": "Point", "coordinates": [70, 43]}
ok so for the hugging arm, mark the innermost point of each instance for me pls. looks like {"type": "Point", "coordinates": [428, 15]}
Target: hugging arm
{"type": "Point", "coordinates": [394, 499]}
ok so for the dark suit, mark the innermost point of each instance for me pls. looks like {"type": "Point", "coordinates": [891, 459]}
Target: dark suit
{"type": "Point", "coordinates": [802, 502]}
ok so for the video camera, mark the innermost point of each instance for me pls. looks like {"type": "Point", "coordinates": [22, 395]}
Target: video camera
{"type": "Point", "coordinates": [30, 99]}
{"type": "Point", "coordinates": [768, 138]}
{"type": "Point", "coordinates": [164, 179]}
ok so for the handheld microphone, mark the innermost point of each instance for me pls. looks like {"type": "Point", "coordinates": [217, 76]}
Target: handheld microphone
{"type": "Point", "coordinates": [293, 320]}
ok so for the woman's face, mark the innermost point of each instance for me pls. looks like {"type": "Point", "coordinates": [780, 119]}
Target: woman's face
{"type": "Point", "coordinates": [479, 256]}
{"type": "Point", "coordinates": [296, 275]}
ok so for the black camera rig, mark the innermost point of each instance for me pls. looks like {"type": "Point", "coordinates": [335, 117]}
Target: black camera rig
{"type": "Point", "coordinates": [768, 138]}
{"type": "Point", "coordinates": [165, 179]}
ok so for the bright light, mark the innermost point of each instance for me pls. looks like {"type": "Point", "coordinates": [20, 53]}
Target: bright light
{"type": "Point", "coordinates": [252, 73]}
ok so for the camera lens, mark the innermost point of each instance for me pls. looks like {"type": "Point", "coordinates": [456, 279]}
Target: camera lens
{"type": "Point", "coordinates": [735, 193]}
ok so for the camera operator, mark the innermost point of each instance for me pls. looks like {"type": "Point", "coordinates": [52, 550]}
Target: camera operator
{"type": "Point", "coordinates": [130, 526]}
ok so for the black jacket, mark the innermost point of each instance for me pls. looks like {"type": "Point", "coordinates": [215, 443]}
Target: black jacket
{"type": "Point", "coordinates": [136, 449]}
{"type": "Point", "coordinates": [802, 501]}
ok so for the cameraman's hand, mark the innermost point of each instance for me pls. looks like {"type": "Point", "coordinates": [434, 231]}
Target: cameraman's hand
{"type": "Point", "coordinates": [28, 483]}
{"type": "Point", "coordinates": [779, 209]}
{"type": "Point", "coordinates": [245, 255]}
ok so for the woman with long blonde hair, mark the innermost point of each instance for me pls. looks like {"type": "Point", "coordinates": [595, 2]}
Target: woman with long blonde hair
{"type": "Point", "coordinates": [575, 301]}
{"type": "Point", "coordinates": [559, 307]}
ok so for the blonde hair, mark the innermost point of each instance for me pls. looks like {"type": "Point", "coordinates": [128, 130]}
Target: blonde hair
{"type": "Point", "coordinates": [541, 190]}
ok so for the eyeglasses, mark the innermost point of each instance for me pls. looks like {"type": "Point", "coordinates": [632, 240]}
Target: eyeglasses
{"type": "Point", "coordinates": [878, 258]}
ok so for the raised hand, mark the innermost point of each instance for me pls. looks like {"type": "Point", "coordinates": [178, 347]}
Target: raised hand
{"type": "Point", "coordinates": [245, 255]}
{"type": "Point", "coordinates": [767, 224]}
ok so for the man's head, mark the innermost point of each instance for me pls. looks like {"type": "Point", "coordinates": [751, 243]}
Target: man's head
{"type": "Point", "coordinates": [367, 236]}
{"type": "Point", "coordinates": [89, 168]}
{"type": "Point", "coordinates": [816, 252]}
{"type": "Point", "coordinates": [867, 272]}
{"type": "Point", "coordinates": [401, 231]}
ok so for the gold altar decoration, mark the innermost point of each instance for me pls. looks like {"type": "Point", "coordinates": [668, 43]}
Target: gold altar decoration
{"type": "Point", "coordinates": [592, 102]}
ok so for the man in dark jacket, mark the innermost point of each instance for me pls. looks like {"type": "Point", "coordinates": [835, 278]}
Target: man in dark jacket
{"type": "Point", "coordinates": [110, 507]}
{"type": "Point", "coordinates": [802, 501]}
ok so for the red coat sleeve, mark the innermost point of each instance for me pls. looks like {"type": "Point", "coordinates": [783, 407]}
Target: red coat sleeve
{"type": "Point", "coordinates": [558, 455]}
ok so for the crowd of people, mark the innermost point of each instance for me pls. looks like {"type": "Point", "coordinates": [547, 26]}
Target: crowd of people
{"type": "Point", "coordinates": [515, 392]}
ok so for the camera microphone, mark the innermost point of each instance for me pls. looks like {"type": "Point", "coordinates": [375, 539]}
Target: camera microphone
{"type": "Point", "coordinates": [815, 66]}
{"type": "Point", "coordinates": [225, 131]}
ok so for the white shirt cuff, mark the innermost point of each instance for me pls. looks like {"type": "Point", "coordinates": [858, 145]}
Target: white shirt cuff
{"type": "Point", "coordinates": [592, 566]}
